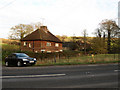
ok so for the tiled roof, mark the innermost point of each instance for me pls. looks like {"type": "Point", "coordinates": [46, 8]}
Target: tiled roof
{"type": "Point", "coordinates": [41, 34]}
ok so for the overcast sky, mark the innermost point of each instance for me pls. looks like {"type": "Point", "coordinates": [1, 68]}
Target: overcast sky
{"type": "Point", "coordinates": [62, 17]}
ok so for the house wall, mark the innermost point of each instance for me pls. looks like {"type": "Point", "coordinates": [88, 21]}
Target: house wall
{"type": "Point", "coordinates": [39, 46]}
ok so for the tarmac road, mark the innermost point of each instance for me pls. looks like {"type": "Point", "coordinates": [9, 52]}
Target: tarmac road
{"type": "Point", "coordinates": [73, 76]}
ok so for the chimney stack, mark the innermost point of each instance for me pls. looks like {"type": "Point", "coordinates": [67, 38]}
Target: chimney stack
{"type": "Point", "coordinates": [44, 28]}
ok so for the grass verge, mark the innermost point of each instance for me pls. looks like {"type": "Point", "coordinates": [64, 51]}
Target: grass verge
{"type": "Point", "coordinates": [97, 59]}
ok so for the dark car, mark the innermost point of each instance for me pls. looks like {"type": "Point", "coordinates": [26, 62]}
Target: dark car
{"type": "Point", "coordinates": [19, 59]}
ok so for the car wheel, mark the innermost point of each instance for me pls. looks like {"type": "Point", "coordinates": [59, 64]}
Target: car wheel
{"type": "Point", "coordinates": [19, 64]}
{"type": "Point", "coordinates": [6, 64]}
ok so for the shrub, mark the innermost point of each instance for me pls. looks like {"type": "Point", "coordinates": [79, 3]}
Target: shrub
{"type": "Point", "coordinates": [8, 49]}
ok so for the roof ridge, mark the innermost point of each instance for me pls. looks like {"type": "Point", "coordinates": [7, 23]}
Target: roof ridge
{"type": "Point", "coordinates": [40, 34]}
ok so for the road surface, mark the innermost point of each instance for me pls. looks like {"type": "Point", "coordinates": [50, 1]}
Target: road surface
{"type": "Point", "coordinates": [73, 76]}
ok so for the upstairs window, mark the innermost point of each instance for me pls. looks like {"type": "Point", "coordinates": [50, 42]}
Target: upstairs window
{"type": "Point", "coordinates": [56, 45]}
{"type": "Point", "coordinates": [25, 43]}
{"type": "Point", "coordinates": [48, 44]}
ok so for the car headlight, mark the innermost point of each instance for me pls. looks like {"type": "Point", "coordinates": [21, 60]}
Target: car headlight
{"type": "Point", "coordinates": [25, 59]}
{"type": "Point", "coordinates": [34, 58]}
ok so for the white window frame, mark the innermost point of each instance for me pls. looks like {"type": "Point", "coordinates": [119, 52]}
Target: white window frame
{"type": "Point", "coordinates": [48, 44]}
{"type": "Point", "coordinates": [24, 44]}
{"type": "Point", "coordinates": [61, 50]}
{"type": "Point", "coordinates": [56, 44]}
{"type": "Point", "coordinates": [42, 50]}
{"type": "Point", "coordinates": [36, 51]}
{"type": "Point", "coordinates": [48, 51]}
{"type": "Point", "coordinates": [29, 45]}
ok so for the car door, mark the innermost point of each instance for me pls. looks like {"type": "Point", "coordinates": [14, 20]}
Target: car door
{"type": "Point", "coordinates": [14, 59]}
{"type": "Point", "coordinates": [9, 59]}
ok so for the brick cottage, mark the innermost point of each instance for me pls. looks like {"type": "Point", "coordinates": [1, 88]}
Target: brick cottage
{"type": "Point", "coordinates": [41, 40]}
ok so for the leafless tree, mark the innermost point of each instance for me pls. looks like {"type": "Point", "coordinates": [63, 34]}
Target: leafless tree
{"type": "Point", "coordinates": [20, 31]}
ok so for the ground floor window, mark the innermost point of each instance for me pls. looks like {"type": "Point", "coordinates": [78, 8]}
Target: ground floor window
{"type": "Point", "coordinates": [29, 45]}
{"type": "Point", "coordinates": [48, 44]}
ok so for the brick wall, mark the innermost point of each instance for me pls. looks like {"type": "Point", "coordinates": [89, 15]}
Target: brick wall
{"type": "Point", "coordinates": [37, 46]}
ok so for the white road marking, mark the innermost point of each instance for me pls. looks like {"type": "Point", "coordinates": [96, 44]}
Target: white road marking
{"type": "Point", "coordinates": [117, 70]}
{"type": "Point", "coordinates": [115, 64]}
{"type": "Point", "coordinates": [93, 65]}
{"type": "Point", "coordinates": [47, 75]}
{"type": "Point", "coordinates": [88, 72]}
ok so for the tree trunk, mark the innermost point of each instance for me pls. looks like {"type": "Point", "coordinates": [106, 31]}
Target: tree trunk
{"type": "Point", "coordinates": [108, 43]}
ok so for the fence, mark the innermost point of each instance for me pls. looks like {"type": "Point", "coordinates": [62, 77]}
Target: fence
{"type": "Point", "coordinates": [78, 59]}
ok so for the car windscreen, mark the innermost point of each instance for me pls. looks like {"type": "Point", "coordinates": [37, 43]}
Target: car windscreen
{"type": "Point", "coordinates": [21, 55]}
